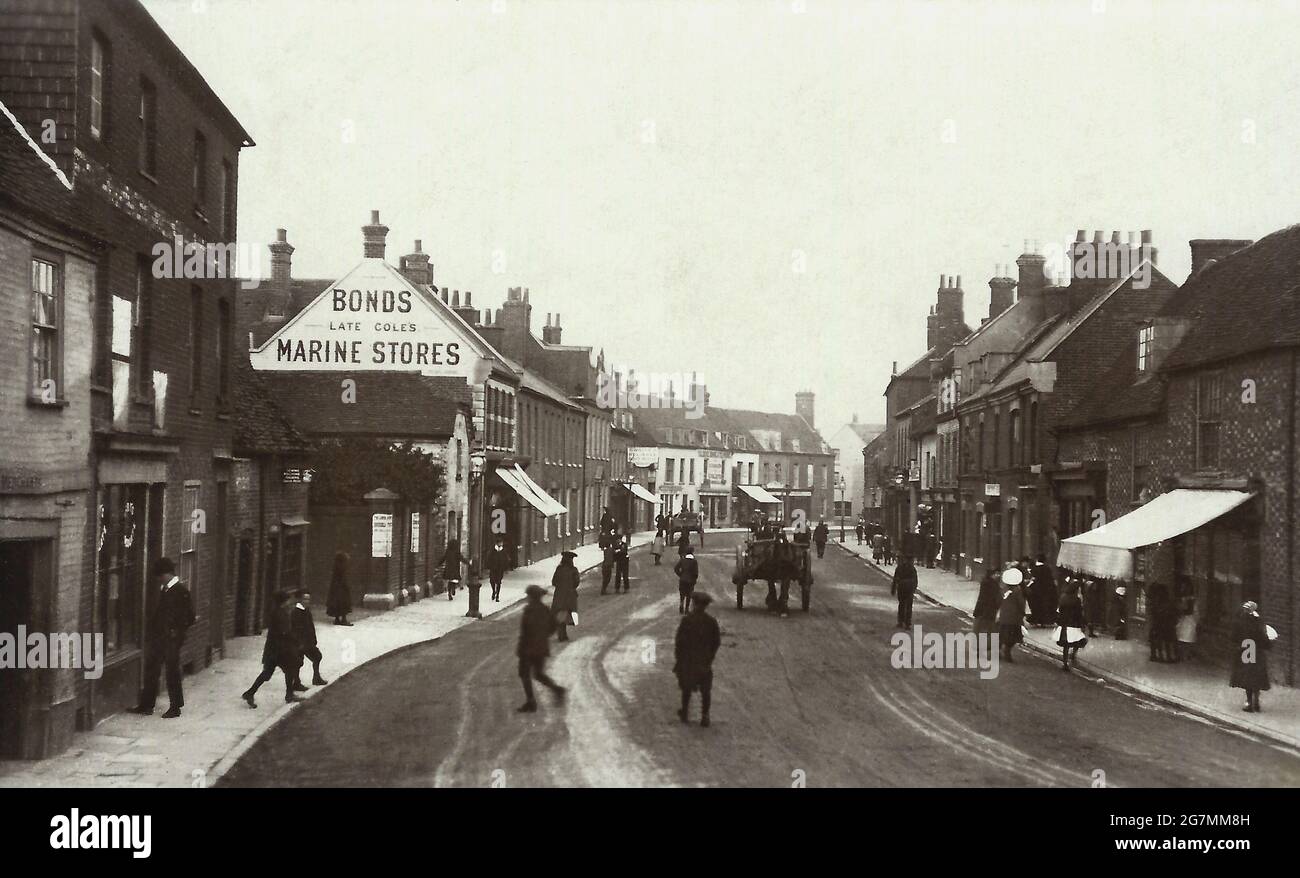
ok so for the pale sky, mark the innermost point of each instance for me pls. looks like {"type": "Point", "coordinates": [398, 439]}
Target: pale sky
{"type": "Point", "coordinates": [765, 191]}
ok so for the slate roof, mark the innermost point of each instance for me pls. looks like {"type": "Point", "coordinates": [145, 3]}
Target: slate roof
{"type": "Point", "coordinates": [1247, 302]}
{"type": "Point", "coordinates": [262, 426]}
{"type": "Point", "coordinates": [388, 404]}
{"type": "Point", "coordinates": [1116, 396]}
{"type": "Point", "coordinates": [28, 183]}
{"type": "Point", "coordinates": [866, 432]}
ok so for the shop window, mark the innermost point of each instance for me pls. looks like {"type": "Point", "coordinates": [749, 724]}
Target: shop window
{"type": "Point", "coordinates": [120, 565]}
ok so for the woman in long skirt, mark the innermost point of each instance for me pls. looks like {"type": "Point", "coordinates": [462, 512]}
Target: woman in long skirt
{"type": "Point", "coordinates": [1069, 625]}
{"type": "Point", "coordinates": [657, 547]}
{"type": "Point", "coordinates": [338, 601]}
{"type": "Point", "coordinates": [1250, 641]}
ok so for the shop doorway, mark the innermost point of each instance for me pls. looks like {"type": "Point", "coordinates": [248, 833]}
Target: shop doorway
{"type": "Point", "coordinates": [243, 587]}
{"type": "Point", "coordinates": [24, 571]}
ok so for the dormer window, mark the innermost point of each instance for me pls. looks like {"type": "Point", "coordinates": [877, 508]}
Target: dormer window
{"type": "Point", "coordinates": [1146, 339]}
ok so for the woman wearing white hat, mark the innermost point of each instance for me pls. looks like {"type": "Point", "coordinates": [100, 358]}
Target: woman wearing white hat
{"type": "Point", "coordinates": [1011, 612]}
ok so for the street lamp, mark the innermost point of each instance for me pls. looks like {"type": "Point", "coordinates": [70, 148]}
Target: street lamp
{"type": "Point", "coordinates": [841, 487]}
{"type": "Point", "coordinates": [477, 468]}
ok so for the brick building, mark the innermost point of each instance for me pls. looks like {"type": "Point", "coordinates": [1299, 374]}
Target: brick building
{"type": "Point", "coordinates": [1017, 496]}
{"type": "Point", "coordinates": [1199, 407]}
{"type": "Point", "coordinates": [152, 157]}
{"type": "Point", "coordinates": [47, 297]}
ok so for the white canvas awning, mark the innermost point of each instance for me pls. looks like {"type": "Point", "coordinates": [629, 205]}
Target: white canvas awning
{"type": "Point", "coordinates": [640, 492]}
{"type": "Point", "coordinates": [759, 493]}
{"type": "Point", "coordinates": [555, 507]}
{"type": "Point", "coordinates": [1107, 551]}
{"type": "Point", "coordinates": [523, 491]}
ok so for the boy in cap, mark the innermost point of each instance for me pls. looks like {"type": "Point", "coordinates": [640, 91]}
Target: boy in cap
{"type": "Point", "coordinates": [698, 639]}
{"type": "Point", "coordinates": [304, 631]}
{"type": "Point", "coordinates": [688, 573]}
{"type": "Point", "coordinates": [535, 629]}
{"type": "Point", "coordinates": [281, 651]}
{"type": "Point", "coordinates": [497, 563]}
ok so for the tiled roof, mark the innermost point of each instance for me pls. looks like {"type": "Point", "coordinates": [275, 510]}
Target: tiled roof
{"type": "Point", "coordinates": [1248, 301]}
{"type": "Point", "coordinates": [791, 427]}
{"type": "Point", "coordinates": [261, 425]}
{"type": "Point", "coordinates": [866, 432]}
{"type": "Point", "coordinates": [28, 182]}
{"type": "Point", "coordinates": [388, 404]}
{"type": "Point", "coordinates": [1117, 396]}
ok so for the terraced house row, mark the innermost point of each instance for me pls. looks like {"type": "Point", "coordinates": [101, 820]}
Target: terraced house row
{"type": "Point", "coordinates": [1105, 399]}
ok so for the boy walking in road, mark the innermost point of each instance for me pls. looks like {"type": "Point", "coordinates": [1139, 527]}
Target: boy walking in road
{"type": "Point", "coordinates": [621, 563]}
{"type": "Point", "coordinates": [698, 639]}
{"type": "Point", "coordinates": [904, 586]}
{"type": "Point", "coordinates": [535, 629]}
{"type": "Point", "coordinates": [688, 573]}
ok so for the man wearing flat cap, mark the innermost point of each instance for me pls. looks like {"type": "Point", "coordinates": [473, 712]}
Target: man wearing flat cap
{"type": "Point", "coordinates": [535, 629]}
{"type": "Point", "coordinates": [698, 639]}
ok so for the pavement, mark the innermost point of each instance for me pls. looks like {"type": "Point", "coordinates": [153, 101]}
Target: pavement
{"type": "Point", "coordinates": [1198, 687]}
{"type": "Point", "coordinates": [217, 727]}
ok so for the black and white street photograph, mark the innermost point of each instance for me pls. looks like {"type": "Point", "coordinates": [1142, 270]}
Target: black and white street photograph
{"type": "Point", "coordinates": [880, 402]}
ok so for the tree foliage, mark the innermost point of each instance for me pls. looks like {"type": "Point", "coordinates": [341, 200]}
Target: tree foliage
{"type": "Point", "coordinates": [348, 469]}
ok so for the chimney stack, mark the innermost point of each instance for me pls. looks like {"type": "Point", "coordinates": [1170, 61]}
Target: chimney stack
{"type": "Point", "coordinates": [1208, 250]}
{"type": "Point", "coordinates": [805, 406]}
{"type": "Point", "coordinates": [277, 295]}
{"type": "Point", "coordinates": [943, 326]}
{"type": "Point", "coordinates": [466, 309]}
{"type": "Point", "coordinates": [551, 332]}
{"type": "Point", "coordinates": [372, 237]}
{"type": "Point", "coordinates": [415, 266]}
{"type": "Point", "coordinates": [516, 317]}
{"type": "Point", "coordinates": [1002, 292]}
{"type": "Point", "coordinates": [1032, 281]}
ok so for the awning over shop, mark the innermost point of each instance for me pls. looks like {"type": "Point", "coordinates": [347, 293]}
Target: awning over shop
{"type": "Point", "coordinates": [524, 492]}
{"type": "Point", "coordinates": [640, 492]}
{"type": "Point", "coordinates": [759, 493]}
{"type": "Point", "coordinates": [1108, 551]}
{"type": "Point", "coordinates": [554, 507]}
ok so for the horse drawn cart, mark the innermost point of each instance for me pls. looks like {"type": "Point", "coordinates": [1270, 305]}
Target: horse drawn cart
{"type": "Point", "coordinates": [774, 560]}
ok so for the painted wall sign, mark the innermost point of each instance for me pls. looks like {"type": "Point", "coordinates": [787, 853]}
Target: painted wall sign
{"type": "Point", "coordinates": [373, 319]}
{"type": "Point", "coordinates": [643, 455]}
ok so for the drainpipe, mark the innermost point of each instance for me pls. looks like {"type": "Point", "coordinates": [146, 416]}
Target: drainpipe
{"type": "Point", "coordinates": [1290, 522]}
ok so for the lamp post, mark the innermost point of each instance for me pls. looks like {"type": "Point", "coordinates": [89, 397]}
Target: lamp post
{"type": "Point", "coordinates": [477, 468]}
{"type": "Point", "coordinates": [841, 487]}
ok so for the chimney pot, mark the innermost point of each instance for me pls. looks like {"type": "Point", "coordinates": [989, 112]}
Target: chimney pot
{"type": "Point", "coordinates": [468, 301]}
{"type": "Point", "coordinates": [418, 243]}
{"type": "Point", "coordinates": [281, 235]}
{"type": "Point", "coordinates": [374, 217]}
{"type": "Point", "coordinates": [1081, 235]}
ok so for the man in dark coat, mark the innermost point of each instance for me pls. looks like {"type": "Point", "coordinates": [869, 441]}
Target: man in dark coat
{"type": "Point", "coordinates": [607, 559]}
{"type": "Point", "coordinates": [904, 586]}
{"type": "Point", "coordinates": [282, 650]}
{"type": "Point", "coordinates": [859, 528]}
{"type": "Point", "coordinates": [564, 585]}
{"type": "Point", "coordinates": [698, 639]}
{"type": "Point", "coordinates": [535, 628]}
{"type": "Point", "coordinates": [820, 536]}
{"type": "Point", "coordinates": [498, 561]}
{"type": "Point", "coordinates": [688, 573]}
{"type": "Point", "coordinates": [1045, 594]}
{"type": "Point", "coordinates": [304, 631]}
{"type": "Point", "coordinates": [781, 570]}
{"type": "Point", "coordinates": [171, 617]}
{"type": "Point", "coordinates": [608, 527]}
{"type": "Point", "coordinates": [621, 562]}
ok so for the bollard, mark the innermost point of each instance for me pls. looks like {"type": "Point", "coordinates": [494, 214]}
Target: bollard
{"type": "Point", "coordinates": [474, 585]}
